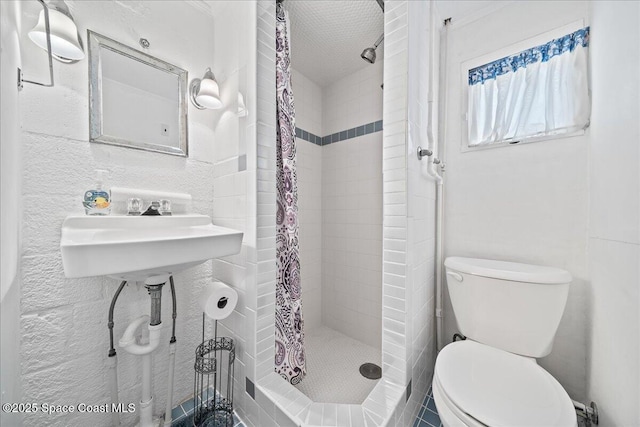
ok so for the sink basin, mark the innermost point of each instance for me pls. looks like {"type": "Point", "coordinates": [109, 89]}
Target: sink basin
{"type": "Point", "coordinates": [135, 248]}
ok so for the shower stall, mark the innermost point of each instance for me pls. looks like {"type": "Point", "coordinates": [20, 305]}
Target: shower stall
{"type": "Point", "coordinates": [338, 177]}
{"type": "Point", "coordinates": [365, 215]}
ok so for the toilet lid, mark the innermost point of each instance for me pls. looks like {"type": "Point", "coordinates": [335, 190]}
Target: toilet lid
{"type": "Point", "coordinates": [502, 389]}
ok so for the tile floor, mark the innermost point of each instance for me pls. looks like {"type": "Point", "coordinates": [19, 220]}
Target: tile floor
{"type": "Point", "coordinates": [428, 414]}
{"type": "Point", "coordinates": [333, 363]}
{"type": "Point", "coordinates": [182, 415]}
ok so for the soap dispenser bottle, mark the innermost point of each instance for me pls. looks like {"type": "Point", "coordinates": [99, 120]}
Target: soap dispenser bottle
{"type": "Point", "coordinates": [97, 201]}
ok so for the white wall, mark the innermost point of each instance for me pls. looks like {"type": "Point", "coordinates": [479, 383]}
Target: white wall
{"type": "Point", "coordinates": [308, 101]}
{"type": "Point", "coordinates": [340, 204]}
{"type": "Point", "coordinates": [353, 100]}
{"type": "Point", "coordinates": [11, 205]}
{"type": "Point", "coordinates": [275, 399]}
{"type": "Point", "coordinates": [421, 191]}
{"type": "Point", "coordinates": [235, 179]}
{"type": "Point", "coordinates": [352, 237]}
{"type": "Point", "coordinates": [525, 203]}
{"type": "Point", "coordinates": [613, 355]}
{"type": "Point", "coordinates": [63, 321]}
{"type": "Point", "coordinates": [352, 208]}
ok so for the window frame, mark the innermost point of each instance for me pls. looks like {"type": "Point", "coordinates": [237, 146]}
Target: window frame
{"type": "Point", "coordinates": [512, 49]}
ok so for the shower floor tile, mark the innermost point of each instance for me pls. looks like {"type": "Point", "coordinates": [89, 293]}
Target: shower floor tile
{"type": "Point", "coordinates": [333, 362]}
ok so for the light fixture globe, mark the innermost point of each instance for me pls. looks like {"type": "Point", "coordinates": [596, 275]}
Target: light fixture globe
{"type": "Point", "coordinates": [205, 93]}
{"type": "Point", "coordinates": [66, 44]}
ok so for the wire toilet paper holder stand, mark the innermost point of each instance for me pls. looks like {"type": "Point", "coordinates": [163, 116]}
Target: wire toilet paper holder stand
{"type": "Point", "coordinates": [212, 400]}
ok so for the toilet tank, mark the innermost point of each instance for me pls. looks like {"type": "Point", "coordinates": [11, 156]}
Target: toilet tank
{"type": "Point", "coordinates": [512, 306]}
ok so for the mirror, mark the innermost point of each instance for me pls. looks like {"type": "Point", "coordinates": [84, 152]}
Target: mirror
{"type": "Point", "coordinates": [135, 100]}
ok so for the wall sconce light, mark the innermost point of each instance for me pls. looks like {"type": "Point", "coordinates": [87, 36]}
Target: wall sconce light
{"type": "Point", "coordinates": [57, 33]}
{"type": "Point", "coordinates": [242, 108]}
{"type": "Point", "coordinates": [205, 93]}
{"type": "Point", "coordinates": [66, 44]}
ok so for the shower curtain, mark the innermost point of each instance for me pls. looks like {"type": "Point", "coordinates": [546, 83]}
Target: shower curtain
{"type": "Point", "coordinates": [289, 331]}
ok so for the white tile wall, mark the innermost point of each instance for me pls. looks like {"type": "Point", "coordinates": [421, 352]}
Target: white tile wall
{"type": "Point", "coordinates": [525, 203]}
{"type": "Point", "coordinates": [308, 102]}
{"type": "Point", "coordinates": [352, 237]}
{"type": "Point", "coordinates": [353, 100]}
{"type": "Point", "coordinates": [614, 234]}
{"type": "Point", "coordinates": [395, 197]}
{"type": "Point", "coordinates": [409, 207]}
{"type": "Point", "coordinates": [311, 229]}
{"type": "Point", "coordinates": [420, 306]}
{"type": "Point", "coordinates": [308, 98]}
{"type": "Point", "coordinates": [275, 399]}
{"type": "Point", "coordinates": [63, 321]}
{"type": "Point", "coordinates": [340, 207]}
{"type": "Point", "coordinates": [352, 207]}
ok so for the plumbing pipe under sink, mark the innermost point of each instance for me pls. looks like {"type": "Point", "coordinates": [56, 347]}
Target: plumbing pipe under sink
{"type": "Point", "coordinates": [129, 344]}
{"type": "Point", "coordinates": [128, 341]}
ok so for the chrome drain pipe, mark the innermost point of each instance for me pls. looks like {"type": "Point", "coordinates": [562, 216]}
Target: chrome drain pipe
{"type": "Point", "coordinates": [155, 292]}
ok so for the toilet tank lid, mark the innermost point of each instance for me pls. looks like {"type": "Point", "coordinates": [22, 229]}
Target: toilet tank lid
{"type": "Point", "coordinates": [505, 270]}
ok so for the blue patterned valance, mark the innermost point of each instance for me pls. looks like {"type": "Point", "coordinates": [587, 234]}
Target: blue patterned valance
{"type": "Point", "coordinates": [540, 53]}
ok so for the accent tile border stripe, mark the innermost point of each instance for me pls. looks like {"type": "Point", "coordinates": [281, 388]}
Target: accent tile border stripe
{"type": "Point", "coordinates": [339, 136]}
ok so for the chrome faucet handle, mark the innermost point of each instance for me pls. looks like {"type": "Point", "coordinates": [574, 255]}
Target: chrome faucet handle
{"type": "Point", "coordinates": [165, 207]}
{"type": "Point", "coordinates": [134, 206]}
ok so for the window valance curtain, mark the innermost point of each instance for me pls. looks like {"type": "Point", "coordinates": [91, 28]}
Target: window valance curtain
{"type": "Point", "coordinates": [537, 92]}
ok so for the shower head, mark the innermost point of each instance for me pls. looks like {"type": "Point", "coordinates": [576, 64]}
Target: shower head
{"type": "Point", "coordinates": [369, 54]}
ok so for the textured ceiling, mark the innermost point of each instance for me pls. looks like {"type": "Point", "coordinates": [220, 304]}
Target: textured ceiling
{"type": "Point", "coordinates": [327, 36]}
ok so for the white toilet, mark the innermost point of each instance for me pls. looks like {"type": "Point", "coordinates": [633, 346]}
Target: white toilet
{"type": "Point", "coordinates": [509, 313]}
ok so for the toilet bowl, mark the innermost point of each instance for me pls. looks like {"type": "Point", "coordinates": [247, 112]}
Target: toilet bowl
{"type": "Point", "coordinates": [477, 385]}
{"type": "Point", "coordinates": [510, 313]}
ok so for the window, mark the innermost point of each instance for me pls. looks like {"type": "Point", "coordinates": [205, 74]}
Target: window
{"type": "Point", "coordinates": [537, 93]}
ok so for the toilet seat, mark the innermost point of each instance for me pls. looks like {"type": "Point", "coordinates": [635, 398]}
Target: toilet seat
{"type": "Point", "coordinates": [477, 385]}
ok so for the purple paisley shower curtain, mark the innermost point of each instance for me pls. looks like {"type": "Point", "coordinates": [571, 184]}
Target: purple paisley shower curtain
{"type": "Point", "coordinates": [290, 356]}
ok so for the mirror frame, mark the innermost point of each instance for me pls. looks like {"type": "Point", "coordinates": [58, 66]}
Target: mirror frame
{"type": "Point", "coordinates": [96, 130]}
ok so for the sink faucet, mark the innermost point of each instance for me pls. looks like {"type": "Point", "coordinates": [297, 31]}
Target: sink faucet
{"type": "Point", "coordinates": [160, 207]}
{"type": "Point", "coordinates": [152, 210]}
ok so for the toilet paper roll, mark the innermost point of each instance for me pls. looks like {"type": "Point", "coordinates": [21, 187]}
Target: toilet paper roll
{"type": "Point", "coordinates": [218, 300]}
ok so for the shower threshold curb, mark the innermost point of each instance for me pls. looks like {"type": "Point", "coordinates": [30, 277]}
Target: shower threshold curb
{"type": "Point", "coordinates": [289, 402]}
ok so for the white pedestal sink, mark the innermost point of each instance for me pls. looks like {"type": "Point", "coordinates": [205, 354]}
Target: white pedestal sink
{"type": "Point", "coordinates": [149, 249]}
{"type": "Point", "coordinates": [135, 248]}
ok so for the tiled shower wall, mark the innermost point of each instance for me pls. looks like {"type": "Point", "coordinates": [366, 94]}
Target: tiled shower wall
{"type": "Point", "coordinates": [308, 97]}
{"type": "Point", "coordinates": [274, 398]}
{"type": "Point", "coordinates": [352, 208]}
{"type": "Point", "coordinates": [340, 203]}
{"type": "Point", "coordinates": [353, 100]}
{"type": "Point", "coordinates": [352, 237]}
{"type": "Point", "coordinates": [308, 101]}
